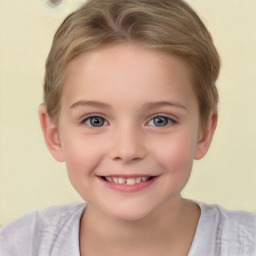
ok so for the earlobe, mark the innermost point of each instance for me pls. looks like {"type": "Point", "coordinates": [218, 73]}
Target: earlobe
{"type": "Point", "coordinates": [205, 138]}
{"type": "Point", "coordinates": [51, 134]}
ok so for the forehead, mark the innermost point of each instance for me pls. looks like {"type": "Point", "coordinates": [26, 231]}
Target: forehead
{"type": "Point", "coordinates": [127, 70]}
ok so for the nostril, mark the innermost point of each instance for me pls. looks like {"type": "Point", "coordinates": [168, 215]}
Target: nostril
{"type": "Point", "coordinates": [128, 148]}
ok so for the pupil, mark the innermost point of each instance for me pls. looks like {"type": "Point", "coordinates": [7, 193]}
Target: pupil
{"type": "Point", "coordinates": [160, 121]}
{"type": "Point", "coordinates": [97, 121]}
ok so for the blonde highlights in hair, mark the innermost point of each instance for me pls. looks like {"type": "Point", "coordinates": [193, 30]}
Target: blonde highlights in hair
{"type": "Point", "coordinates": [170, 26]}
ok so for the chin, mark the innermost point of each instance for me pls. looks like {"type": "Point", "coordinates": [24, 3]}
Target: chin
{"type": "Point", "coordinates": [130, 213]}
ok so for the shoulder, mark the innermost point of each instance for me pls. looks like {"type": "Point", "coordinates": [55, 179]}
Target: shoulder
{"type": "Point", "coordinates": [224, 232]}
{"type": "Point", "coordinates": [37, 230]}
{"type": "Point", "coordinates": [242, 219]}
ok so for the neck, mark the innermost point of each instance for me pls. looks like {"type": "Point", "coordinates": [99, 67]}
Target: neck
{"type": "Point", "coordinates": [173, 224]}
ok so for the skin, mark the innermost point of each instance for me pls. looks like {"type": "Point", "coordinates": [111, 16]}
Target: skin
{"type": "Point", "coordinates": [127, 88]}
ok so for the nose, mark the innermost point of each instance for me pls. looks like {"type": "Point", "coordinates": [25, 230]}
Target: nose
{"type": "Point", "coordinates": [128, 144]}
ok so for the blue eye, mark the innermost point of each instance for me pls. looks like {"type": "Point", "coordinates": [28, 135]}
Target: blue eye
{"type": "Point", "coordinates": [95, 121]}
{"type": "Point", "coordinates": [160, 121]}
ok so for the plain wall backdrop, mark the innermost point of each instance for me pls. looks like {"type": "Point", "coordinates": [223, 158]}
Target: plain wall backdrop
{"type": "Point", "coordinates": [30, 179]}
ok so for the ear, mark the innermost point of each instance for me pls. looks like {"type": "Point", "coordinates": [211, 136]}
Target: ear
{"type": "Point", "coordinates": [51, 134]}
{"type": "Point", "coordinates": [205, 137]}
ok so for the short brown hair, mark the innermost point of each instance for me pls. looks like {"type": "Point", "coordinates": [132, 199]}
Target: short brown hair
{"type": "Point", "coordinates": [171, 26]}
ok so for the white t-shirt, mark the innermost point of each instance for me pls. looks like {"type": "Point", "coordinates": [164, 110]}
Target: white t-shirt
{"type": "Point", "coordinates": [55, 232]}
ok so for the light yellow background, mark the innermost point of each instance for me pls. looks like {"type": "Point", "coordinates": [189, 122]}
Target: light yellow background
{"type": "Point", "coordinates": [29, 177]}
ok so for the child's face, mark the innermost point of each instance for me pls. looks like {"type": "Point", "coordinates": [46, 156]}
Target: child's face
{"type": "Point", "coordinates": [128, 114]}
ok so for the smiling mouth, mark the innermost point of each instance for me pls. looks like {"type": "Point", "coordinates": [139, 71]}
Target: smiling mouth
{"type": "Point", "coordinates": [127, 181]}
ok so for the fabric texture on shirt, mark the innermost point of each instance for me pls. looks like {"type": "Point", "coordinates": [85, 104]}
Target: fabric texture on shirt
{"type": "Point", "coordinates": [55, 232]}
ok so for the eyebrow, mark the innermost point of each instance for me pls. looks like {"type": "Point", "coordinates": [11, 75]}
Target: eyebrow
{"type": "Point", "coordinates": [164, 103]}
{"type": "Point", "coordinates": [82, 103]}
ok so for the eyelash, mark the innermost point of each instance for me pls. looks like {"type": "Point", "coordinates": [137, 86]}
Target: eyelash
{"type": "Point", "coordinates": [161, 118]}
{"type": "Point", "coordinates": [89, 118]}
{"type": "Point", "coordinates": [170, 121]}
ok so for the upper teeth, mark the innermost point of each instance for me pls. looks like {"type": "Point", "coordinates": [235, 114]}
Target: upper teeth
{"type": "Point", "coordinates": [128, 181]}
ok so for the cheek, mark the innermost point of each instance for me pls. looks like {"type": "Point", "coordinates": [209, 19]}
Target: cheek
{"type": "Point", "coordinates": [176, 154]}
{"type": "Point", "coordinates": [81, 155]}
{"type": "Point", "coordinates": [82, 159]}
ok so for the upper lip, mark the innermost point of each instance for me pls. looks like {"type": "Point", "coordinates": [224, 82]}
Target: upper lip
{"type": "Point", "coordinates": [127, 176]}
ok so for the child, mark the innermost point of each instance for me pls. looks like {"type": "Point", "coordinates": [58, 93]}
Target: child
{"type": "Point", "coordinates": [129, 102]}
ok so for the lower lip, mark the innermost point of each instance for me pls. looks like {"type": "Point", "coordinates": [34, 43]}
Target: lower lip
{"type": "Point", "coordinates": [129, 188]}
